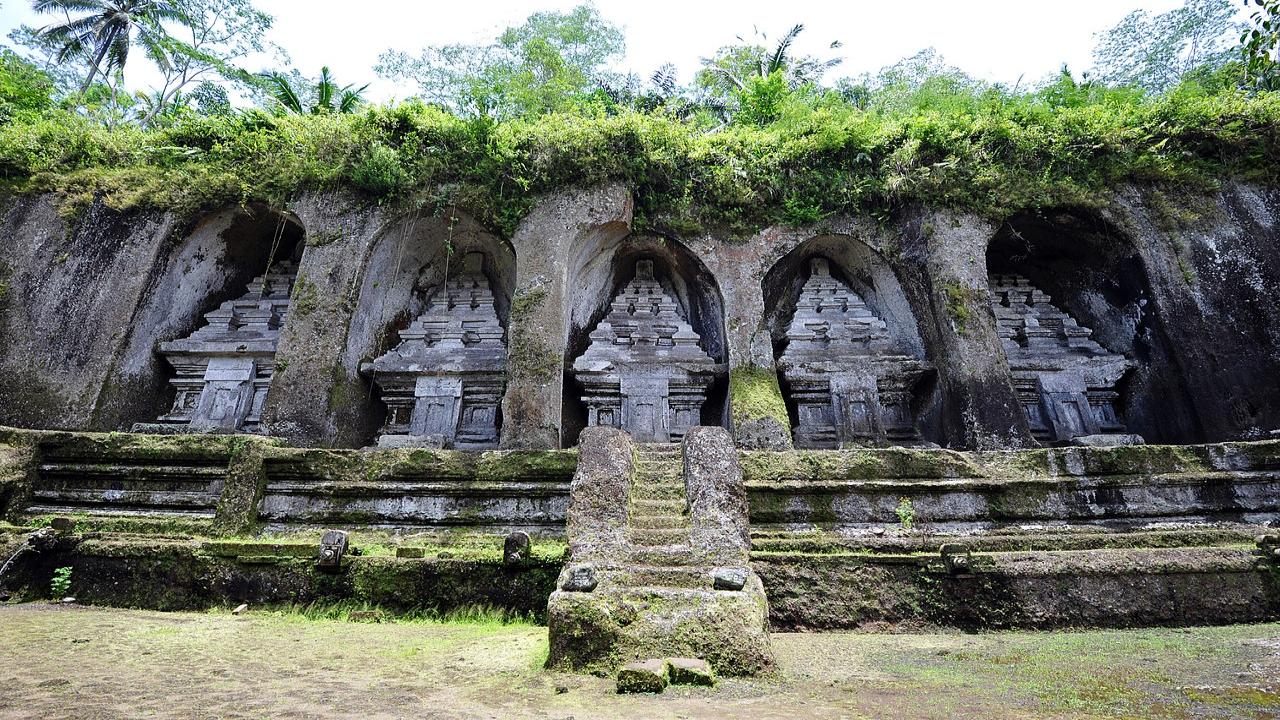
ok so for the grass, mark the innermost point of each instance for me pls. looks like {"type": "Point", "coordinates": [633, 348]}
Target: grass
{"type": "Point", "coordinates": [281, 663]}
{"type": "Point", "coordinates": [480, 616]}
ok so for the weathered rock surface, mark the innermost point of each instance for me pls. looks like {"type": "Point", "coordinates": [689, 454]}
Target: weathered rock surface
{"type": "Point", "coordinates": [643, 676]}
{"type": "Point", "coordinates": [690, 671]}
{"type": "Point", "coordinates": [1184, 296]}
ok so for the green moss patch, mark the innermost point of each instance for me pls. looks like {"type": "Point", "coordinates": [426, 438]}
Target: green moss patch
{"type": "Point", "coordinates": [754, 394]}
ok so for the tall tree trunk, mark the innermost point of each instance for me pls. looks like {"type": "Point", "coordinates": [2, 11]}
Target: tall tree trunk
{"type": "Point", "coordinates": [97, 60]}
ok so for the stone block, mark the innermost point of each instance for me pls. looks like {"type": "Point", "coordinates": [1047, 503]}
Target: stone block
{"type": "Point", "coordinates": [645, 676]}
{"type": "Point", "coordinates": [579, 578]}
{"type": "Point", "coordinates": [1108, 440]}
{"type": "Point", "coordinates": [690, 671]}
{"type": "Point", "coordinates": [729, 578]}
{"type": "Point", "coordinates": [597, 515]}
{"type": "Point", "coordinates": [717, 496]}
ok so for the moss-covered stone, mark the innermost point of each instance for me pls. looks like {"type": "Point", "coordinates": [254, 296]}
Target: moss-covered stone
{"type": "Point", "coordinates": [529, 355]}
{"type": "Point", "coordinates": [17, 470]}
{"type": "Point", "coordinates": [754, 394]}
{"type": "Point", "coordinates": [243, 488]}
{"type": "Point", "coordinates": [173, 574]}
{"type": "Point", "coordinates": [643, 676]}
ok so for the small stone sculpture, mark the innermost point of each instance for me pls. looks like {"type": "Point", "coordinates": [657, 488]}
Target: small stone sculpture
{"type": "Point", "coordinates": [333, 545]}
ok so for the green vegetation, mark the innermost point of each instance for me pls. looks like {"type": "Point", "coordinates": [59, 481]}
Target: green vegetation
{"type": "Point", "coordinates": [906, 512]}
{"type": "Point", "coordinates": [1155, 52]}
{"type": "Point", "coordinates": [756, 139]}
{"type": "Point", "coordinates": [363, 611]}
{"type": "Point", "coordinates": [754, 394]}
{"type": "Point", "coordinates": [60, 585]}
{"type": "Point", "coordinates": [988, 151]}
{"type": "Point", "coordinates": [958, 298]}
{"type": "Point", "coordinates": [329, 96]}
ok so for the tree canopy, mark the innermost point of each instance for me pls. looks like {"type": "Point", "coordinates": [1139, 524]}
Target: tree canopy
{"type": "Point", "coordinates": [550, 62]}
{"type": "Point", "coordinates": [1155, 51]}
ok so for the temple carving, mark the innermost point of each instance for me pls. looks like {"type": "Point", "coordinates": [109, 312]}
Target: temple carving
{"type": "Point", "coordinates": [1064, 379]}
{"type": "Point", "coordinates": [849, 383]}
{"type": "Point", "coordinates": [645, 370]}
{"type": "Point", "coordinates": [443, 383]}
{"type": "Point", "coordinates": [222, 371]}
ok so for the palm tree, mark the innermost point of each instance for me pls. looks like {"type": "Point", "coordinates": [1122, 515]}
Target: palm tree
{"type": "Point", "coordinates": [347, 97]}
{"type": "Point", "coordinates": [798, 70]}
{"type": "Point", "coordinates": [107, 29]}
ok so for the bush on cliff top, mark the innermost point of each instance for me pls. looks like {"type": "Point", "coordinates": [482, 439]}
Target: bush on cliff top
{"type": "Point", "coordinates": [984, 150]}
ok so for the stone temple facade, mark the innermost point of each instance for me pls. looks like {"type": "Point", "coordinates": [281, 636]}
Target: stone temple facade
{"type": "Point", "coordinates": [223, 370]}
{"type": "Point", "coordinates": [1064, 379]}
{"type": "Point", "coordinates": [849, 383]}
{"type": "Point", "coordinates": [645, 371]}
{"type": "Point", "coordinates": [443, 383]}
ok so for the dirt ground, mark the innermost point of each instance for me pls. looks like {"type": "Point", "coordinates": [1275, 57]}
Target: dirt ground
{"type": "Point", "coordinates": [77, 662]}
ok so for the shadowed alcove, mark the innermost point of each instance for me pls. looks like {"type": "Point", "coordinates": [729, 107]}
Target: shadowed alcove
{"type": "Point", "coordinates": [852, 365]}
{"type": "Point", "coordinates": [1073, 263]}
{"type": "Point", "coordinates": [600, 271]}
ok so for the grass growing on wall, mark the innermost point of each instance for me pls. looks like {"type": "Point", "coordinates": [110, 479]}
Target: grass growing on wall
{"type": "Point", "coordinates": [990, 152]}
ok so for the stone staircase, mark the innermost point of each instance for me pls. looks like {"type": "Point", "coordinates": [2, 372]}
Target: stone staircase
{"type": "Point", "coordinates": [660, 576]}
{"type": "Point", "coordinates": [658, 529]}
{"type": "Point", "coordinates": [658, 509]}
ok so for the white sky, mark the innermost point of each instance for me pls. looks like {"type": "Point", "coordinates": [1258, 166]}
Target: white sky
{"type": "Point", "coordinates": [998, 40]}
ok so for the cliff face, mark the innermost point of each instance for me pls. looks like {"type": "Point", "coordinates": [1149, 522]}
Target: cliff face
{"type": "Point", "coordinates": [1182, 287]}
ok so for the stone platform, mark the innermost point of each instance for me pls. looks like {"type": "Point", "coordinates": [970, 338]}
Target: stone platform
{"type": "Point", "coordinates": [1065, 537]}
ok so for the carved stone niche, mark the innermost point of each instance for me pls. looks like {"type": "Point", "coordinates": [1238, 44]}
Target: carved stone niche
{"type": "Point", "coordinates": [1064, 379]}
{"type": "Point", "coordinates": [443, 383]}
{"type": "Point", "coordinates": [849, 382]}
{"type": "Point", "coordinates": [645, 371]}
{"type": "Point", "coordinates": [223, 370]}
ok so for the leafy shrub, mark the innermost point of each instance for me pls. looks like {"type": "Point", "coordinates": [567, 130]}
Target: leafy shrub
{"type": "Point", "coordinates": [60, 585]}
{"type": "Point", "coordinates": [379, 172]}
{"type": "Point", "coordinates": [906, 512]}
{"type": "Point", "coordinates": [942, 141]}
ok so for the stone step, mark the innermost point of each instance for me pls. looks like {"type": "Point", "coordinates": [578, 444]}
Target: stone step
{"type": "Point", "coordinates": [656, 491]}
{"type": "Point", "coordinates": [659, 480]}
{"type": "Point", "coordinates": [677, 576]}
{"type": "Point", "coordinates": [179, 501]}
{"type": "Point", "coordinates": [662, 555]}
{"type": "Point", "coordinates": [659, 451]}
{"type": "Point", "coordinates": [675, 478]}
{"type": "Point", "coordinates": [672, 473]}
{"type": "Point", "coordinates": [658, 506]}
{"type": "Point", "coordinates": [650, 472]}
{"type": "Point", "coordinates": [659, 537]}
{"type": "Point", "coordinates": [659, 521]}
{"type": "Point", "coordinates": [131, 512]}
{"type": "Point", "coordinates": [660, 461]}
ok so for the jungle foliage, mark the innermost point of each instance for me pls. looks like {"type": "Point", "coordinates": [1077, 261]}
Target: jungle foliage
{"type": "Point", "coordinates": [770, 144]}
